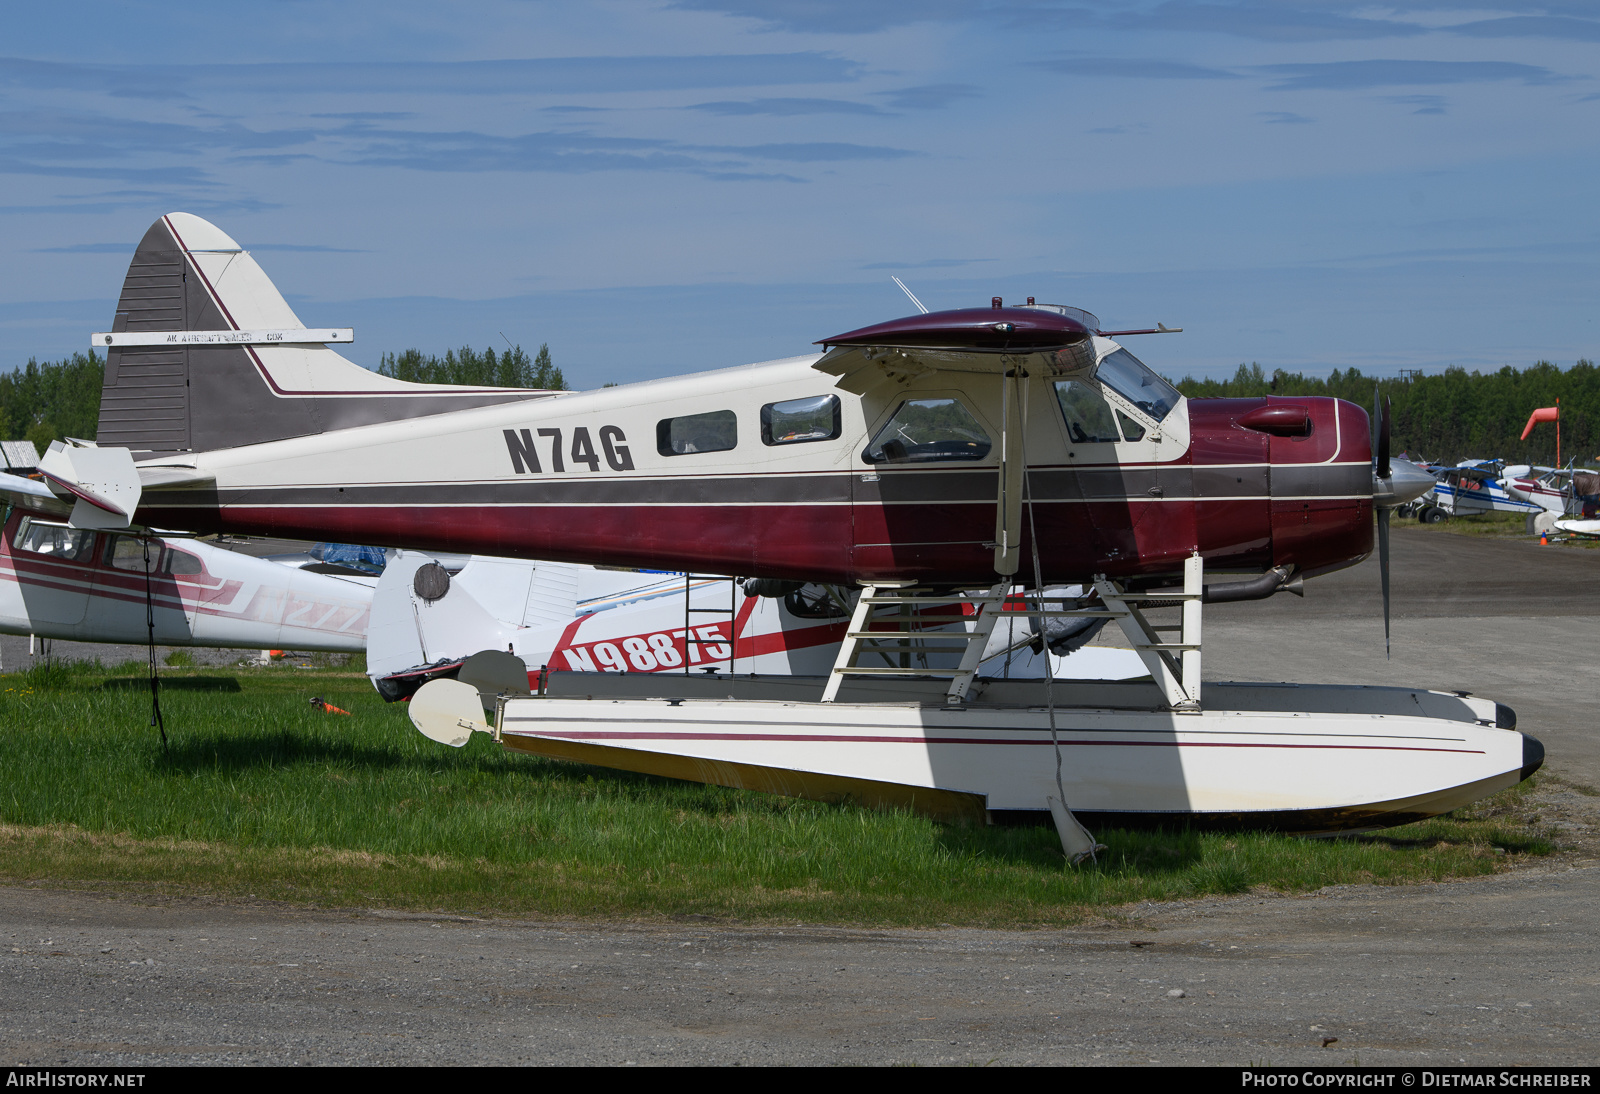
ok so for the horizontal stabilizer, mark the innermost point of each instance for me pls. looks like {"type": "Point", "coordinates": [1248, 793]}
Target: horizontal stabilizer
{"type": "Point", "coordinates": [173, 477]}
{"type": "Point", "coordinates": [281, 336]}
{"type": "Point", "coordinates": [101, 484]}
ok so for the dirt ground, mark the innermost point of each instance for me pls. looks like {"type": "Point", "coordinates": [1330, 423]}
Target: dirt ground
{"type": "Point", "coordinates": [1486, 971]}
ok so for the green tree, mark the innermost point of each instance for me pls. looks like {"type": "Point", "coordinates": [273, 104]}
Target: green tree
{"type": "Point", "coordinates": [1455, 415]}
{"type": "Point", "coordinates": [53, 400]}
{"type": "Point", "coordinates": [469, 367]}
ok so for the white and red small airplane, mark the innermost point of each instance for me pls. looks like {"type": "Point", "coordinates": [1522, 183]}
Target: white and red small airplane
{"type": "Point", "coordinates": [1547, 487]}
{"type": "Point", "coordinates": [560, 617]}
{"type": "Point", "coordinates": [135, 586]}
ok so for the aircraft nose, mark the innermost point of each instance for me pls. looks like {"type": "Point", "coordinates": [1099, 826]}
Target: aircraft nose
{"type": "Point", "coordinates": [1406, 482]}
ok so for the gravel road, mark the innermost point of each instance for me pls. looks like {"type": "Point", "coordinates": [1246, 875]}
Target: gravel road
{"type": "Point", "coordinates": [1494, 971]}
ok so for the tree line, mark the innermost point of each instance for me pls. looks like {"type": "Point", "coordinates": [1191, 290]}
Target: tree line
{"type": "Point", "coordinates": [467, 366]}
{"type": "Point", "coordinates": [52, 400]}
{"type": "Point", "coordinates": [1456, 414]}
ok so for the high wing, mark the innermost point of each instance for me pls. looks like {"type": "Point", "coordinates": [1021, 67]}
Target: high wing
{"type": "Point", "coordinates": [1053, 339]}
{"type": "Point", "coordinates": [33, 496]}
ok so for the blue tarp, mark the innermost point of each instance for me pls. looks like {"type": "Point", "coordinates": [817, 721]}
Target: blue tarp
{"type": "Point", "coordinates": [369, 559]}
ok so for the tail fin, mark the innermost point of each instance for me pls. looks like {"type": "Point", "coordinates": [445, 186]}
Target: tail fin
{"type": "Point", "coordinates": [408, 629]}
{"type": "Point", "coordinates": [189, 275]}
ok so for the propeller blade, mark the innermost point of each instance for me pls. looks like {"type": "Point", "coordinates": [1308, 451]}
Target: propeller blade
{"type": "Point", "coordinates": [1383, 569]}
{"type": "Point", "coordinates": [1372, 422]}
{"type": "Point", "coordinates": [1382, 452]}
{"type": "Point", "coordinates": [1380, 434]}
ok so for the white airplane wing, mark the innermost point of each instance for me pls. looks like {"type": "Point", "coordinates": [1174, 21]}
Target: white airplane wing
{"type": "Point", "coordinates": [1057, 340]}
{"type": "Point", "coordinates": [33, 496]}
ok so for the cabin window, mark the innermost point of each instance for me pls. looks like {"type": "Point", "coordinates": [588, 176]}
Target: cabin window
{"type": "Point", "coordinates": [717, 431]}
{"type": "Point", "coordinates": [801, 420]}
{"type": "Point", "coordinates": [1089, 417]}
{"type": "Point", "coordinates": [1131, 430]}
{"type": "Point", "coordinates": [127, 553]}
{"type": "Point", "coordinates": [924, 430]}
{"type": "Point", "coordinates": [55, 540]}
{"type": "Point", "coordinates": [181, 563]}
{"type": "Point", "coordinates": [1129, 377]}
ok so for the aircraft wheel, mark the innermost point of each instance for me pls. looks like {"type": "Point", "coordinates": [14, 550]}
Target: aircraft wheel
{"type": "Point", "coordinates": [1434, 515]}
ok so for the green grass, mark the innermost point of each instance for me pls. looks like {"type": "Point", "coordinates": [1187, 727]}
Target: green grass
{"type": "Point", "coordinates": [263, 795]}
{"type": "Point", "coordinates": [1494, 526]}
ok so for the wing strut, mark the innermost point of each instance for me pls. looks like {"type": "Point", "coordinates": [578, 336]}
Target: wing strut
{"type": "Point", "coordinates": [1008, 504]}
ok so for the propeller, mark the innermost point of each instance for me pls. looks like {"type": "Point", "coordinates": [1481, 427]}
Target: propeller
{"type": "Point", "coordinates": [1380, 436]}
{"type": "Point", "coordinates": [1382, 472]}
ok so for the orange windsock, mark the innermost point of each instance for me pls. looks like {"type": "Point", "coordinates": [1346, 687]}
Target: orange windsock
{"type": "Point", "coordinates": [1543, 414]}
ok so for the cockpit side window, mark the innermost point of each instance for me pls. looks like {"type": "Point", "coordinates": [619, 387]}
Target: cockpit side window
{"type": "Point", "coordinates": [54, 540]}
{"type": "Point", "coordinates": [925, 430]}
{"type": "Point", "coordinates": [1088, 415]}
{"type": "Point", "coordinates": [1129, 377]}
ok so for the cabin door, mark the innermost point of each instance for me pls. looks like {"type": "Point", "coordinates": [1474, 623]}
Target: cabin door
{"type": "Point", "coordinates": [121, 587]}
{"type": "Point", "coordinates": [924, 494]}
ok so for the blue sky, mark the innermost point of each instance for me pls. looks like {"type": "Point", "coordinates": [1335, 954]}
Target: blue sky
{"type": "Point", "coordinates": [655, 188]}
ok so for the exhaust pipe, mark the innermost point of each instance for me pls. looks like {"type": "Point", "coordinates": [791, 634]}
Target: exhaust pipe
{"type": "Point", "coordinates": [1279, 579]}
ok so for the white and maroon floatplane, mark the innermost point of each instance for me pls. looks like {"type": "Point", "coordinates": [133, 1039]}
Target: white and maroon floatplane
{"type": "Point", "coordinates": [936, 459]}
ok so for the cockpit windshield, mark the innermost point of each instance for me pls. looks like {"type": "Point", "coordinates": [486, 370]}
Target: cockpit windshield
{"type": "Point", "coordinates": [1129, 377]}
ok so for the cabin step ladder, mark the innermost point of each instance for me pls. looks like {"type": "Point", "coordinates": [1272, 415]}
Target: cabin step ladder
{"type": "Point", "coordinates": [899, 639]}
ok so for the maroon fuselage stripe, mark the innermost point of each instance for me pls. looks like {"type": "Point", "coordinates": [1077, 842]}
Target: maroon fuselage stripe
{"type": "Point", "coordinates": [826, 542]}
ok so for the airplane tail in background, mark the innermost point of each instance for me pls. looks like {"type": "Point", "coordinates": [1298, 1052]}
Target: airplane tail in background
{"type": "Point", "coordinates": [189, 275]}
{"type": "Point", "coordinates": [419, 620]}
